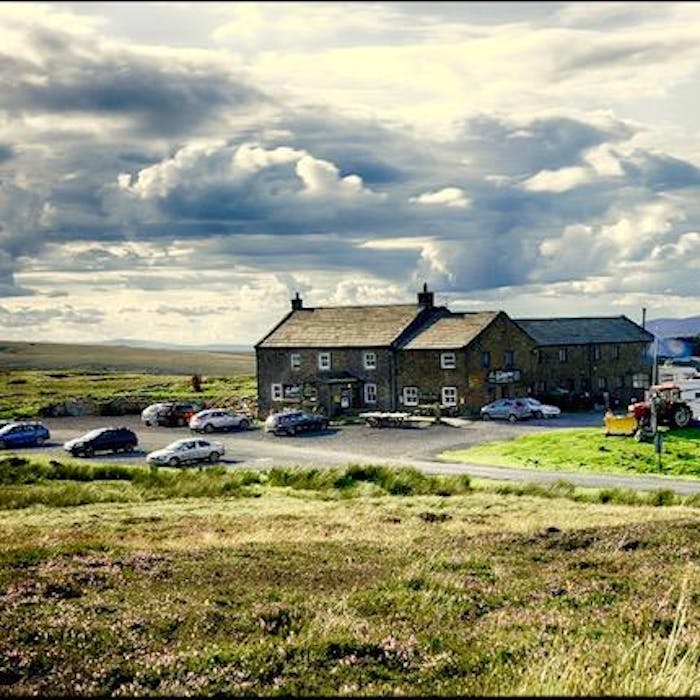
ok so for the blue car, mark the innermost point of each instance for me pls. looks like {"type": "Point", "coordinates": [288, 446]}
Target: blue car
{"type": "Point", "coordinates": [23, 434]}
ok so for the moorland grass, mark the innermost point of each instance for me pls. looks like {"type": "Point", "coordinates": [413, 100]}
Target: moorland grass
{"type": "Point", "coordinates": [29, 393]}
{"type": "Point", "coordinates": [589, 450]}
{"type": "Point", "coordinates": [295, 593]}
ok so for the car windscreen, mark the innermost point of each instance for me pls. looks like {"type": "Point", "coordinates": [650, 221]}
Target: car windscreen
{"type": "Point", "coordinates": [93, 434]}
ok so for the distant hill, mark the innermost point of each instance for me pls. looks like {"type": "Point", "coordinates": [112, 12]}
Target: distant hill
{"type": "Point", "coordinates": [674, 327]}
{"type": "Point", "coordinates": [121, 358]}
{"type": "Point", "coordinates": [154, 344]}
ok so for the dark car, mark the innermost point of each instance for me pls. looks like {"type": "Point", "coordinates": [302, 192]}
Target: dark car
{"type": "Point", "coordinates": [23, 434]}
{"type": "Point", "coordinates": [293, 422]}
{"type": "Point", "coordinates": [102, 440]}
{"type": "Point", "coordinates": [169, 413]}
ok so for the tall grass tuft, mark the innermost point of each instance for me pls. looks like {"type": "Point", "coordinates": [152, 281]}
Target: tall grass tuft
{"type": "Point", "coordinates": [652, 666]}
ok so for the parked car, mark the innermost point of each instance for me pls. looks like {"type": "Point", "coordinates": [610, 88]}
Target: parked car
{"type": "Point", "coordinates": [508, 409]}
{"type": "Point", "coordinates": [293, 422]}
{"type": "Point", "coordinates": [169, 413]}
{"type": "Point", "coordinates": [187, 451]}
{"type": "Point", "coordinates": [542, 410]}
{"type": "Point", "coordinates": [102, 440]}
{"type": "Point", "coordinates": [23, 434]}
{"type": "Point", "coordinates": [212, 419]}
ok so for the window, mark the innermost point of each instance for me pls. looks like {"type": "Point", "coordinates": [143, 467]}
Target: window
{"type": "Point", "coordinates": [619, 382]}
{"type": "Point", "coordinates": [370, 393]}
{"type": "Point", "coordinates": [562, 354]}
{"type": "Point", "coordinates": [640, 380]}
{"type": "Point", "coordinates": [616, 352]}
{"type": "Point", "coordinates": [410, 396]}
{"type": "Point", "coordinates": [324, 360]}
{"type": "Point", "coordinates": [276, 392]}
{"type": "Point", "coordinates": [369, 360]}
{"type": "Point", "coordinates": [486, 359]}
{"type": "Point", "coordinates": [602, 383]}
{"type": "Point", "coordinates": [448, 360]}
{"type": "Point", "coordinates": [540, 356]}
{"type": "Point", "coordinates": [595, 352]}
{"type": "Point", "coordinates": [541, 386]}
{"type": "Point", "coordinates": [508, 358]}
{"type": "Point", "coordinates": [449, 395]}
{"type": "Point", "coordinates": [295, 360]}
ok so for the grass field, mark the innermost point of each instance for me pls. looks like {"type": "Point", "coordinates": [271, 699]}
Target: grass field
{"type": "Point", "coordinates": [114, 358]}
{"type": "Point", "coordinates": [34, 393]}
{"type": "Point", "coordinates": [588, 450]}
{"type": "Point", "coordinates": [341, 582]}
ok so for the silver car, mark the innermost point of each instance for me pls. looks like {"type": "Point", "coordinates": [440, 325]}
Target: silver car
{"type": "Point", "coordinates": [508, 409]}
{"type": "Point", "coordinates": [219, 419]}
{"type": "Point", "coordinates": [187, 452]}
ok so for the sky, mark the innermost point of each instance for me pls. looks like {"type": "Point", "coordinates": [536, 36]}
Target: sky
{"type": "Point", "coordinates": [177, 171]}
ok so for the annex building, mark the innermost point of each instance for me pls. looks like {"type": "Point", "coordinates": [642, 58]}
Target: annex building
{"type": "Point", "coordinates": [346, 359]}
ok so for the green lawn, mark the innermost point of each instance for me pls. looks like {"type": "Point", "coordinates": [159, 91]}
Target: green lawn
{"type": "Point", "coordinates": [355, 581]}
{"type": "Point", "coordinates": [589, 450]}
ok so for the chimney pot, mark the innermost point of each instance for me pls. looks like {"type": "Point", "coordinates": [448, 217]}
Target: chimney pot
{"type": "Point", "coordinates": [297, 303]}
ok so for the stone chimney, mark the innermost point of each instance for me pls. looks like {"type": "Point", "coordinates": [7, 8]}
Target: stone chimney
{"type": "Point", "coordinates": [426, 299]}
{"type": "Point", "coordinates": [297, 303]}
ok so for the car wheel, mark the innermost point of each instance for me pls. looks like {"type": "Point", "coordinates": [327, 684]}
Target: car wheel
{"type": "Point", "coordinates": [3, 445]}
{"type": "Point", "coordinates": [214, 457]}
{"type": "Point", "coordinates": [324, 425]}
{"type": "Point", "coordinates": [512, 418]}
{"type": "Point", "coordinates": [148, 423]}
{"type": "Point", "coordinates": [180, 422]}
{"type": "Point", "coordinates": [208, 428]}
{"type": "Point", "coordinates": [485, 416]}
{"type": "Point", "coordinates": [129, 448]}
{"type": "Point", "coordinates": [244, 425]}
{"type": "Point", "coordinates": [174, 462]}
{"type": "Point", "coordinates": [292, 431]}
{"type": "Point", "coordinates": [537, 414]}
{"type": "Point", "coordinates": [88, 451]}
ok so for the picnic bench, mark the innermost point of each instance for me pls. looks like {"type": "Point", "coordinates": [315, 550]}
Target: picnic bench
{"type": "Point", "coordinates": [394, 419]}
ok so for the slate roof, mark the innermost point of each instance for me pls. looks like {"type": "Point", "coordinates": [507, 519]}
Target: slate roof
{"type": "Point", "coordinates": [579, 331]}
{"type": "Point", "coordinates": [342, 326]}
{"type": "Point", "coordinates": [455, 330]}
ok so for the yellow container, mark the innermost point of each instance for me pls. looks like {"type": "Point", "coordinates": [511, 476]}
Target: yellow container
{"type": "Point", "coordinates": [620, 425]}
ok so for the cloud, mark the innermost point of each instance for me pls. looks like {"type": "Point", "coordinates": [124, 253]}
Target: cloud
{"type": "Point", "coordinates": [557, 180]}
{"type": "Point", "coordinates": [448, 196]}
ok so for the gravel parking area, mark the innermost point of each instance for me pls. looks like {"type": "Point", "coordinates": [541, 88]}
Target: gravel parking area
{"type": "Point", "coordinates": [341, 444]}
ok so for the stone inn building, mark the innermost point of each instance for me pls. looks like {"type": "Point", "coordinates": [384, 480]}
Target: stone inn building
{"type": "Point", "coordinates": [346, 359]}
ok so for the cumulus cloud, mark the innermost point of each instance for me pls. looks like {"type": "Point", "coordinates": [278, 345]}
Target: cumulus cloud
{"type": "Point", "coordinates": [448, 196]}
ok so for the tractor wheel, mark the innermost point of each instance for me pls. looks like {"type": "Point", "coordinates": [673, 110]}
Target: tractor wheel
{"type": "Point", "coordinates": [680, 417]}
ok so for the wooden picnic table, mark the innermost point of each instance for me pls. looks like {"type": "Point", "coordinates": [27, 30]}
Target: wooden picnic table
{"type": "Point", "coordinates": [393, 419]}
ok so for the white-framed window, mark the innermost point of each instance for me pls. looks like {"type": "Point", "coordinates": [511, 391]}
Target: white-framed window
{"type": "Point", "coordinates": [448, 360]}
{"type": "Point", "coordinates": [370, 393]}
{"type": "Point", "coordinates": [276, 392]}
{"type": "Point", "coordinates": [410, 396]}
{"type": "Point", "coordinates": [640, 380]}
{"type": "Point", "coordinates": [602, 383]}
{"type": "Point", "coordinates": [449, 395]}
{"type": "Point", "coordinates": [324, 360]}
{"type": "Point", "coordinates": [295, 360]}
{"type": "Point", "coordinates": [369, 359]}
{"type": "Point", "coordinates": [508, 358]}
{"type": "Point", "coordinates": [562, 354]}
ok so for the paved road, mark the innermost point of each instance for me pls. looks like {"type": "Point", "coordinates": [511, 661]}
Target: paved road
{"type": "Point", "coordinates": [359, 444]}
